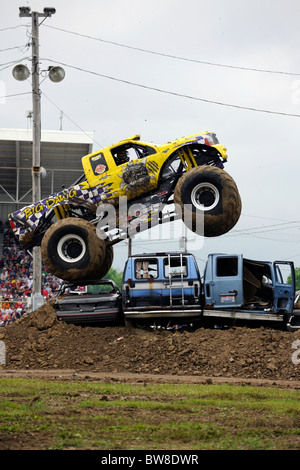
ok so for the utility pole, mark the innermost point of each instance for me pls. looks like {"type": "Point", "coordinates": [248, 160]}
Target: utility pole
{"type": "Point", "coordinates": [37, 297]}
{"type": "Point", "coordinates": [129, 246]}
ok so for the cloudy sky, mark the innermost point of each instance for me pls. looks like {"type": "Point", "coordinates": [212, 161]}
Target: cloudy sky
{"type": "Point", "coordinates": [167, 68]}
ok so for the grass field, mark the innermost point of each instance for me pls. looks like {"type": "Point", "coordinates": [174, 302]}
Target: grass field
{"type": "Point", "coordinates": [48, 415]}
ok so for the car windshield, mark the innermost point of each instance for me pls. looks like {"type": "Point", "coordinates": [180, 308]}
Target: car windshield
{"type": "Point", "coordinates": [103, 288]}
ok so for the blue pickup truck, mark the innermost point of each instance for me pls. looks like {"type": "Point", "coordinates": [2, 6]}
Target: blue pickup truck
{"type": "Point", "coordinates": [166, 287]}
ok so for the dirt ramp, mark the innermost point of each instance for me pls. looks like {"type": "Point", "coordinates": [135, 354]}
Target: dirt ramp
{"type": "Point", "coordinates": [41, 341]}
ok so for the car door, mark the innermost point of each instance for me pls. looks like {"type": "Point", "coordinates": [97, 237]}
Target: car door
{"type": "Point", "coordinates": [226, 285]}
{"type": "Point", "coordinates": [135, 172]}
{"type": "Point", "coordinates": [145, 287]}
{"type": "Point", "coordinates": [284, 291]}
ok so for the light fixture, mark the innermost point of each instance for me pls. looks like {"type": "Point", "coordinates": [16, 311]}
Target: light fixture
{"type": "Point", "coordinates": [20, 72]}
{"type": "Point", "coordinates": [49, 11]}
{"type": "Point", "coordinates": [24, 11]}
{"type": "Point", "coordinates": [43, 172]}
{"type": "Point", "coordinates": [56, 74]}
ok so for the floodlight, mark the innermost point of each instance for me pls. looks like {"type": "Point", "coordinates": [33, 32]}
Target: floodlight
{"type": "Point", "coordinates": [20, 72]}
{"type": "Point", "coordinates": [24, 11]}
{"type": "Point", "coordinates": [49, 11]}
{"type": "Point", "coordinates": [56, 74]}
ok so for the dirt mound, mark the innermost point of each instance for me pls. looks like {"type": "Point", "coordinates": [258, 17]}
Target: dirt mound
{"type": "Point", "coordinates": [41, 341]}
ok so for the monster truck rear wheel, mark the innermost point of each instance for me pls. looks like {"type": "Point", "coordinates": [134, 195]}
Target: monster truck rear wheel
{"type": "Point", "coordinates": [209, 200]}
{"type": "Point", "coordinates": [72, 251]}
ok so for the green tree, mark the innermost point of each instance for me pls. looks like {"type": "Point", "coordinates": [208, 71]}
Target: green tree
{"type": "Point", "coordinates": [115, 276]}
{"type": "Point", "coordinates": [297, 277]}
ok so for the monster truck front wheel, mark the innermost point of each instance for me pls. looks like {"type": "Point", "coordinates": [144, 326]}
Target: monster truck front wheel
{"type": "Point", "coordinates": [209, 200]}
{"type": "Point", "coordinates": [106, 265]}
{"type": "Point", "coordinates": [72, 251]}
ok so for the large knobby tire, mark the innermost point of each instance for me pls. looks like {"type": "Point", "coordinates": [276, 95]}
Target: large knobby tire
{"type": "Point", "coordinates": [208, 195]}
{"type": "Point", "coordinates": [106, 265]}
{"type": "Point", "coordinates": [71, 250]}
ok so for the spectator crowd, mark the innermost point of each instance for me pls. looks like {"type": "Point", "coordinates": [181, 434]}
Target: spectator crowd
{"type": "Point", "coordinates": [16, 280]}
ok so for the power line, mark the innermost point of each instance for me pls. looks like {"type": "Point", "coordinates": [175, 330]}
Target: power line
{"type": "Point", "coordinates": [15, 94]}
{"type": "Point", "coordinates": [215, 64]}
{"type": "Point", "coordinates": [254, 231]}
{"type": "Point", "coordinates": [293, 256]}
{"type": "Point", "coordinates": [9, 64]}
{"type": "Point", "coordinates": [13, 27]}
{"type": "Point", "coordinates": [272, 225]}
{"type": "Point", "coordinates": [281, 239]}
{"type": "Point", "coordinates": [10, 48]}
{"type": "Point", "coordinates": [181, 95]}
{"type": "Point", "coordinates": [265, 218]}
{"type": "Point", "coordinates": [14, 61]}
{"type": "Point", "coordinates": [73, 122]}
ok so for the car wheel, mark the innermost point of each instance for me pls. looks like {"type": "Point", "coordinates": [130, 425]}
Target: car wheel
{"type": "Point", "coordinates": [71, 249]}
{"type": "Point", "coordinates": [209, 200]}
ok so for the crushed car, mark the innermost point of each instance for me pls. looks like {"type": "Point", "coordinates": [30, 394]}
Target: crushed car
{"type": "Point", "coordinates": [166, 286]}
{"type": "Point", "coordinates": [89, 302]}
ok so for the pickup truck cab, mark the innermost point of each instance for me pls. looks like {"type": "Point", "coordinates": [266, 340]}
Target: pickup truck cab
{"type": "Point", "coordinates": [166, 286]}
{"type": "Point", "coordinates": [161, 285]}
{"type": "Point", "coordinates": [236, 287]}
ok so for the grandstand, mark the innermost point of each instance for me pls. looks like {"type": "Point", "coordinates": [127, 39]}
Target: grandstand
{"type": "Point", "coordinates": [61, 154]}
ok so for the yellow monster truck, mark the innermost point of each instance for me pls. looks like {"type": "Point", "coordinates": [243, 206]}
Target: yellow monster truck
{"type": "Point", "coordinates": [123, 190]}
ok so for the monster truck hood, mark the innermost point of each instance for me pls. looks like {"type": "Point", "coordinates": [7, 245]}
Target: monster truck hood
{"type": "Point", "coordinates": [203, 138]}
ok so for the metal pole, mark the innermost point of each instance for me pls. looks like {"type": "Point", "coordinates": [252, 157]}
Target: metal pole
{"type": "Point", "coordinates": [129, 247]}
{"type": "Point", "coordinates": [37, 298]}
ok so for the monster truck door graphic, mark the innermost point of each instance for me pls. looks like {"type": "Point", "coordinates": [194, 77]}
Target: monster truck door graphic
{"type": "Point", "coordinates": [98, 164]}
{"type": "Point", "coordinates": [134, 168]}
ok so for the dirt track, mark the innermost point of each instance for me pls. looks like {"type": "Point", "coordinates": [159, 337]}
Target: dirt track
{"type": "Point", "coordinates": [41, 346]}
